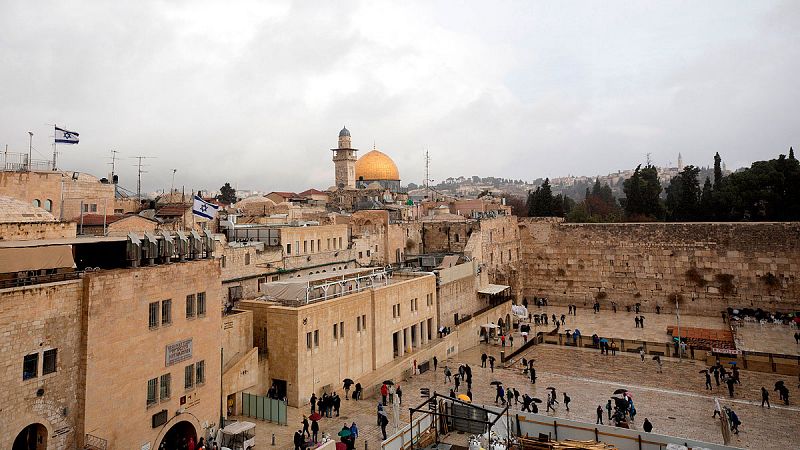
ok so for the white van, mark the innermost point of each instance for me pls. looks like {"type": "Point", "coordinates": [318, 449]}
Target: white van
{"type": "Point", "coordinates": [237, 436]}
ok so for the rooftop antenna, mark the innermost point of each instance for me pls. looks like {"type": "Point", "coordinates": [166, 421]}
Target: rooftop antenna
{"type": "Point", "coordinates": [113, 163]}
{"type": "Point", "coordinates": [172, 187]}
{"type": "Point", "coordinates": [648, 159]}
{"type": "Point", "coordinates": [140, 172]}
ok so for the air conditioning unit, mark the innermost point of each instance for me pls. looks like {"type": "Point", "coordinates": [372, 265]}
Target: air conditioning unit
{"type": "Point", "coordinates": [166, 247]}
{"type": "Point", "coordinates": [208, 243]}
{"type": "Point", "coordinates": [149, 248]}
{"type": "Point", "coordinates": [195, 245]}
{"type": "Point", "coordinates": [133, 250]}
{"type": "Point", "coordinates": [182, 246]}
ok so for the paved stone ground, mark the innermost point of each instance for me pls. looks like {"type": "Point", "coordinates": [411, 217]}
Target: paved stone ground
{"type": "Point", "coordinates": [620, 325]}
{"type": "Point", "coordinates": [675, 401]}
{"type": "Point", "coordinates": [769, 338]}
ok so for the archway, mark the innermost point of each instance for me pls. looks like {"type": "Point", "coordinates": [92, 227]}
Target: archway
{"type": "Point", "coordinates": [178, 436]}
{"type": "Point", "coordinates": [32, 437]}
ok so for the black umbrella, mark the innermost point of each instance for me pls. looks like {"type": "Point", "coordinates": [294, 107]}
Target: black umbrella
{"type": "Point", "coordinates": [347, 381]}
{"type": "Point", "coordinates": [703, 371]}
{"type": "Point", "coordinates": [620, 391]}
{"type": "Point", "coordinates": [496, 383]}
{"type": "Point", "coordinates": [536, 400]}
{"type": "Point", "coordinates": [388, 382]}
{"type": "Point", "coordinates": [551, 388]}
{"type": "Point", "coordinates": [655, 358]}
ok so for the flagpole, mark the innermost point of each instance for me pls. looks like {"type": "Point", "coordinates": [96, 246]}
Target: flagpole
{"type": "Point", "coordinates": [54, 148]}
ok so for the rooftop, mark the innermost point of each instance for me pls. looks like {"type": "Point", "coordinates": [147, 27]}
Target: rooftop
{"type": "Point", "coordinates": [17, 211]}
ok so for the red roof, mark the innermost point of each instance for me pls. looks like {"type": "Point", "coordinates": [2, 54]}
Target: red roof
{"type": "Point", "coordinates": [172, 210]}
{"type": "Point", "coordinates": [91, 220]}
{"type": "Point", "coordinates": [311, 191]}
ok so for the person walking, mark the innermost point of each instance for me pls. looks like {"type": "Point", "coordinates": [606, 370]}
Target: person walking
{"type": "Point", "coordinates": [299, 442]}
{"type": "Point", "coordinates": [399, 393]}
{"type": "Point", "coordinates": [384, 393]}
{"type": "Point", "coordinates": [734, 421]}
{"type": "Point", "coordinates": [314, 431]}
{"type": "Point", "coordinates": [457, 382]}
{"type": "Point", "coordinates": [717, 409]}
{"type": "Point", "coordinates": [491, 363]}
{"type": "Point", "coordinates": [516, 396]}
{"type": "Point", "coordinates": [647, 426]}
{"type": "Point", "coordinates": [566, 400]}
{"type": "Point", "coordinates": [658, 361]}
{"type": "Point", "coordinates": [509, 396]}
{"type": "Point", "coordinates": [384, 421]}
{"type": "Point", "coordinates": [641, 321]}
{"type": "Point", "coordinates": [708, 381]}
{"type": "Point", "coordinates": [357, 392]}
{"type": "Point", "coordinates": [447, 374]}
{"type": "Point", "coordinates": [483, 360]}
{"type": "Point", "coordinates": [563, 319]}
{"type": "Point", "coordinates": [337, 403]}
{"type": "Point", "coordinates": [435, 363]}
{"type": "Point", "coordinates": [499, 394]}
{"type": "Point", "coordinates": [532, 371]}
{"type": "Point", "coordinates": [765, 397]}
{"type": "Point", "coordinates": [354, 430]}
{"type": "Point", "coordinates": [600, 415]}
{"type": "Point", "coordinates": [636, 321]}
{"type": "Point", "coordinates": [526, 403]}
{"type": "Point", "coordinates": [608, 408]}
{"type": "Point", "coordinates": [715, 371]}
{"type": "Point", "coordinates": [613, 348]}
{"type": "Point", "coordinates": [641, 353]}
{"type": "Point", "coordinates": [305, 426]}
{"type": "Point", "coordinates": [510, 340]}
{"type": "Point", "coordinates": [730, 382]}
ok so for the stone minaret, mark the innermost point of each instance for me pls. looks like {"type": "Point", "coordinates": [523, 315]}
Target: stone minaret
{"type": "Point", "coordinates": [344, 161]}
{"type": "Point", "coordinates": [680, 161]}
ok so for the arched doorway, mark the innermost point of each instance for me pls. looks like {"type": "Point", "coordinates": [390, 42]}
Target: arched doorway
{"type": "Point", "coordinates": [32, 437]}
{"type": "Point", "coordinates": [178, 436]}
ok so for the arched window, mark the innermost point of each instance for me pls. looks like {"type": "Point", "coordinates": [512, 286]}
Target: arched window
{"type": "Point", "coordinates": [37, 203]}
{"type": "Point", "coordinates": [48, 205]}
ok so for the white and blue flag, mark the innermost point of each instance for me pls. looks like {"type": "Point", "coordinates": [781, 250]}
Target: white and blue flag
{"type": "Point", "coordinates": [65, 136]}
{"type": "Point", "coordinates": [204, 209]}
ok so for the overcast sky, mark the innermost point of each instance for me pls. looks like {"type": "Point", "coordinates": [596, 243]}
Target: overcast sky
{"type": "Point", "coordinates": [255, 92]}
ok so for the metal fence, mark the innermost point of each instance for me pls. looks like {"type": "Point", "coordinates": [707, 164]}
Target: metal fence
{"type": "Point", "coordinates": [264, 408]}
{"type": "Point", "coordinates": [21, 162]}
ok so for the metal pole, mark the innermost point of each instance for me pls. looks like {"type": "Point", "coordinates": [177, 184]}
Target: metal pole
{"type": "Point", "coordinates": [221, 397]}
{"type": "Point", "coordinates": [678, 314]}
{"type": "Point", "coordinates": [30, 150]}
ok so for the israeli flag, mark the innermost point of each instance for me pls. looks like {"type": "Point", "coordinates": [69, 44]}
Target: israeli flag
{"type": "Point", "coordinates": [204, 209]}
{"type": "Point", "coordinates": [65, 136]}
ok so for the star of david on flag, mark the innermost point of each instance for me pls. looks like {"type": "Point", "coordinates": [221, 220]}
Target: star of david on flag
{"type": "Point", "coordinates": [65, 136]}
{"type": "Point", "coordinates": [204, 209]}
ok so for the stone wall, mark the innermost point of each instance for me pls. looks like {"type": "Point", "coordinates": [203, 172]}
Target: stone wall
{"type": "Point", "coordinates": [36, 230]}
{"type": "Point", "coordinates": [710, 265]}
{"type": "Point", "coordinates": [36, 319]}
{"type": "Point", "coordinates": [457, 292]}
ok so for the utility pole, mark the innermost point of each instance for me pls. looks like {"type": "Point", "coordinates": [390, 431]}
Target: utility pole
{"type": "Point", "coordinates": [172, 187]}
{"type": "Point", "coordinates": [427, 172]}
{"type": "Point", "coordinates": [113, 163]}
{"type": "Point", "coordinates": [30, 150]}
{"type": "Point", "coordinates": [139, 175]}
{"type": "Point", "coordinates": [648, 159]}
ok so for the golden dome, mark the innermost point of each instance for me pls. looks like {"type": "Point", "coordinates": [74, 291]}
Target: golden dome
{"type": "Point", "coordinates": [376, 165]}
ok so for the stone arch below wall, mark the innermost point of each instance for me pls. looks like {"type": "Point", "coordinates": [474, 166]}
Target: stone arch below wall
{"type": "Point", "coordinates": [60, 431]}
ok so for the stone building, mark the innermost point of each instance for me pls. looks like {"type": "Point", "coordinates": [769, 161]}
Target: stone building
{"type": "Point", "coordinates": [343, 326]}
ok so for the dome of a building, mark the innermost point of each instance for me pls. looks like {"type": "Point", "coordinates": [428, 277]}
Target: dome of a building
{"type": "Point", "coordinates": [376, 165]}
{"type": "Point", "coordinates": [17, 211]}
{"type": "Point", "coordinates": [344, 132]}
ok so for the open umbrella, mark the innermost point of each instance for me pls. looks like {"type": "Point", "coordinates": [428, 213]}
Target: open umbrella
{"type": "Point", "coordinates": [464, 397]}
{"type": "Point", "coordinates": [604, 340]}
{"type": "Point", "coordinates": [388, 382]}
{"type": "Point", "coordinates": [536, 400]}
{"type": "Point", "coordinates": [496, 383]}
{"type": "Point", "coordinates": [620, 391]}
{"type": "Point", "coordinates": [347, 381]}
{"type": "Point", "coordinates": [314, 417]}
{"type": "Point", "coordinates": [733, 363]}
{"type": "Point", "coordinates": [703, 371]}
{"type": "Point", "coordinates": [551, 388]}
{"type": "Point", "coordinates": [383, 413]}
{"type": "Point", "coordinates": [655, 358]}
{"type": "Point", "coordinates": [345, 432]}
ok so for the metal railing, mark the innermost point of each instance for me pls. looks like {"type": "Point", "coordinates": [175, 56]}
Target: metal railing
{"type": "Point", "coordinates": [94, 443]}
{"type": "Point", "coordinates": [19, 162]}
{"type": "Point", "coordinates": [39, 279]}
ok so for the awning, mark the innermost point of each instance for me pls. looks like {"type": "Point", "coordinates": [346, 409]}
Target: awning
{"type": "Point", "coordinates": [449, 261]}
{"type": "Point", "coordinates": [489, 325]}
{"type": "Point", "coordinates": [21, 259]}
{"type": "Point", "coordinates": [493, 289]}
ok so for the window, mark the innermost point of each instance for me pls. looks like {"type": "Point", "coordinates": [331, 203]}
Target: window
{"type": "Point", "coordinates": [364, 322]}
{"type": "Point", "coordinates": [165, 381]}
{"type": "Point", "coordinates": [341, 330]}
{"type": "Point", "coordinates": [188, 376]}
{"type": "Point", "coordinates": [288, 249]}
{"type": "Point", "coordinates": [360, 255]}
{"type": "Point", "coordinates": [340, 242]}
{"type": "Point", "coordinates": [319, 245]}
{"type": "Point", "coordinates": [296, 247]}
{"type": "Point", "coordinates": [30, 366]}
{"type": "Point", "coordinates": [49, 361]}
{"type": "Point", "coordinates": [200, 369]}
{"type": "Point", "coordinates": [367, 253]}
{"type": "Point", "coordinates": [48, 205]}
{"type": "Point", "coordinates": [358, 324]}
{"type": "Point", "coordinates": [261, 281]}
{"type": "Point", "coordinates": [190, 306]}
{"type": "Point", "coordinates": [37, 203]}
{"type": "Point", "coordinates": [275, 278]}
{"type": "Point", "coordinates": [166, 312]}
{"type": "Point", "coordinates": [201, 304]}
{"type": "Point", "coordinates": [329, 244]}
{"type": "Point", "coordinates": [305, 246]}
{"type": "Point", "coordinates": [308, 341]}
{"type": "Point", "coordinates": [223, 261]}
{"type": "Point", "coordinates": [312, 246]}
{"type": "Point", "coordinates": [247, 259]}
{"type": "Point", "coordinates": [154, 315]}
{"type": "Point", "coordinates": [335, 333]}
{"type": "Point", "coordinates": [456, 237]}
{"type": "Point", "coordinates": [509, 255]}
{"type": "Point", "coordinates": [316, 338]}
{"type": "Point", "coordinates": [152, 389]}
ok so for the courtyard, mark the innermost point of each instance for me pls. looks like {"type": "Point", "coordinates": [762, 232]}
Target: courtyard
{"type": "Point", "coordinates": [675, 401]}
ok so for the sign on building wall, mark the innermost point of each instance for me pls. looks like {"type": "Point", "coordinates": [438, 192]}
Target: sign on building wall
{"type": "Point", "coordinates": [178, 352]}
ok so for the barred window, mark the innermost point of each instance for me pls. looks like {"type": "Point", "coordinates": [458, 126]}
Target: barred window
{"type": "Point", "coordinates": [49, 362]}
{"type": "Point", "coordinates": [308, 340]}
{"type": "Point", "coordinates": [30, 366]}
{"type": "Point", "coordinates": [152, 389]}
{"type": "Point", "coordinates": [200, 368]}
{"type": "Point", "coordinates": [188, 376]}
{"type": "Point", "coordinates": [190, 306]}
{"type": "Point", "coordinates": [154, 315]}
{"type": "Point", "coordinates": [165, 382]}
{"type": "Point", "coordinates": [166, 312]}
{"type": "Point", "coordinates": [201, 304]}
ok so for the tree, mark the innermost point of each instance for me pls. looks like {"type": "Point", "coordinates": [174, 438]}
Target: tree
{"type": "Point", "coordinates": [707, 201]}
{"type": "Point", "coordinates": [791, 154]}
{"type": "Point", "coordinates": [517, 205]}
{"type": "Point", "coordinates": [717, 171]}
{"type": "Point", "coordinates": [542, 203]}
{"type": "Point", "coordinates": [227, 194]}
{"type": "Point", "coordinates": [642, 195]}
{"type": "Point", "coordinates": [683, 195]}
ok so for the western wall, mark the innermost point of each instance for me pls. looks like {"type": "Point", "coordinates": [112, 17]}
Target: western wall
{"type": "Point", "coordinates": [707, 266]}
